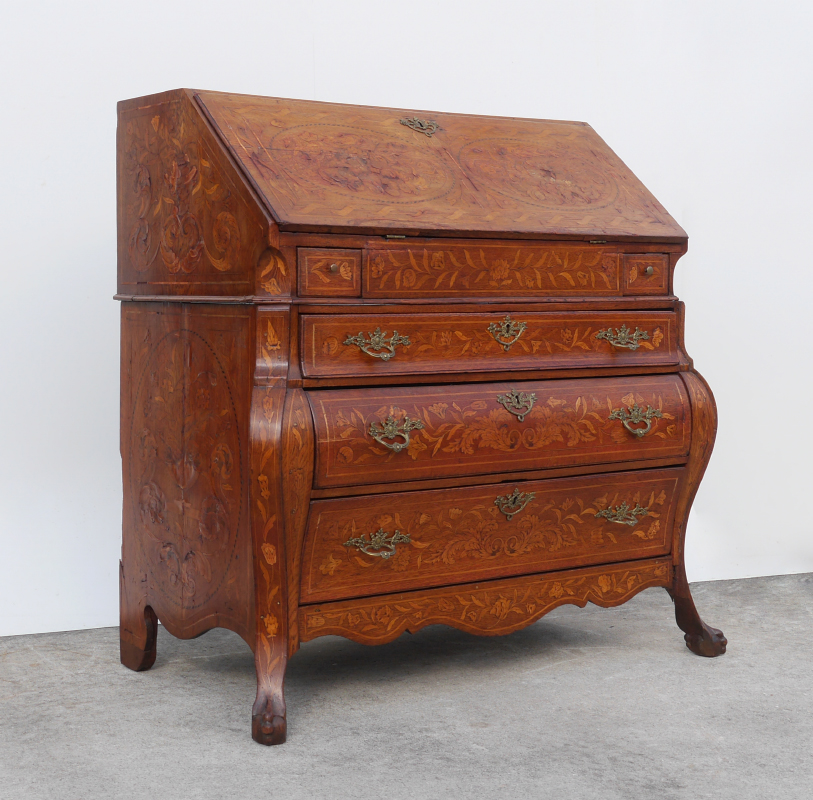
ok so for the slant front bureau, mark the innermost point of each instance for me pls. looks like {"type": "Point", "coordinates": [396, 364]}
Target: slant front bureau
{"type": "Point", "coordinates": [383, 369]}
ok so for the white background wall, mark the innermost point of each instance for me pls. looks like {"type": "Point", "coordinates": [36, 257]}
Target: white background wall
{"type": "Point", "coordinates": [708, 103]}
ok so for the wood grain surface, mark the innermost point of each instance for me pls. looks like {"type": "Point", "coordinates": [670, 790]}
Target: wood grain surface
{"type": "Point", "coordinates": [466, 430]}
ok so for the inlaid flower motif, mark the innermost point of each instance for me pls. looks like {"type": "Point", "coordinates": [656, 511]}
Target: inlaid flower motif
{"type": "Point", "coordinates": [556, 591]}
{"type": "Point", "coordinates": [264, 491]}
{"type": "Point", "coordinates": [439, 409]}
{"type": "Point", "coordinates": [445, 338]}
{"type": "Point", "coordinates": [271, 624]}
{"type": "Point", "coordinates": [378, 267]}
{"type": "Point", "coordinates": [501, 607]}
{"type": "Point", "coordinates": [499, 270]}
{"type": "Point", "coordinates": [438, 260]}
{"type": "Point", "coordinates": [604, 583]}
{"type": "Point", "coordinates": [270, 553]}
{"type": "Point", "coordinates": [330, 565]}
{"type": "Point", "coordinates": [400, 560]}
{"type": "Point", "coordinates": [409, 278]}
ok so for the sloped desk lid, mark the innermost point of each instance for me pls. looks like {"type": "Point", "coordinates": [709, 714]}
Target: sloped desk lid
{"type": "Point", "coordinates": [330, 167]}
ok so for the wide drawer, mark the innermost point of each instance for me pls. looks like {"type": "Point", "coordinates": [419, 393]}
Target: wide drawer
{"type": "Point", "coordinates": [355, 547]}
{"type": "Point", "coordinates": [403, 344]}
{"type": "Point", "coordinates": [491, 269]}
{"type": "Point", "coordinates": [387, 434]}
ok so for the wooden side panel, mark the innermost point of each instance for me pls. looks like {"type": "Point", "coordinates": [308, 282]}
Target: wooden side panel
{"type": "Point", "coordinates": [185, 402]}
{"type": "Point", "coordinates": [402, 344]}
{"type": "Point", "coordinates": [487, 609]}
{"type": "Point", "coordinates": [469, 430]}
{"type": "Point", "coordinates": [187, 224]}
{"type": "Point", "coordinates": [491, 270]}
{"type": "Point", "coordinates": [460, 535]}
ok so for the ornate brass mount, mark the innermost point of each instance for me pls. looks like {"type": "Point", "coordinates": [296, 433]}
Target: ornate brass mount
{"type": "Point", "coordinates": [514, 503]}
{"type": "Point", "coordinates": [378, 341]}
{"type": "Point", "coordinates": [428, 126]}
{"type": "Point", "coordinates": [519, 403]}
{"type": "Point", "coordinates": [635, 416]}
{"type": "Point", "coordinates": [380, 544]}
{"type": "Point", "coordinates": [623, 515]}
{"type": "Point", "coordinates": [507, 332]}
{"type": "Point", "coordinates": [391, 429]}
{"type": "Point", "coordinates": [622, 337]}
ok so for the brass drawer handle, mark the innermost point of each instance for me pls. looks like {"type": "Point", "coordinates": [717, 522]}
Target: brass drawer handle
{"type": "Point", "coordinates": [378, 341]}
{"type": "Point", "coordinates": [518, 403]}
{"type": "Point", "coordinates": [391, 429]}
{"type": "Point", "coordinates": [512, 504]}
{"type": "Point", "coordinates": [622, 337]}
{"type": "Point", "coordinates": [624, 515]}
{"type": "Point", "coordinates": [380, 544]}
{"type": "Point", "coordinates": [507, 332]}
{"type": "Point", "coordinates": [635, 416]}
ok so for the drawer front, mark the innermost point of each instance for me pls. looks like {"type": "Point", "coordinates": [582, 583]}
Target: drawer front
{"type": "Point", "coordinates": [493, 270]}
{"type": "Point", "coordinates": [443, 431]}
{"type": "Point", "coordinates": [403, 344]}
{"type": "Point", "coordinates": [355, 547]}
{"type": "Point", "coordinates": [647, 274]}
{"type": "Point", "coordinates": [329, 272]}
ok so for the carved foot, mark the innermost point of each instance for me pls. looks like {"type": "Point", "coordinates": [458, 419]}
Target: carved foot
{"type": "Point", "coordinates": [701, 639]}
{"type": "Point", "coordinates": [709, 643]}
{"type": "Point", "coordinates": [268, 726]}
{"type": "Point", "coordinates": [136, 657]}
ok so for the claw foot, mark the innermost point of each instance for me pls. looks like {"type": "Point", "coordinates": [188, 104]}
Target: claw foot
{"type": "Point", "coordinates": [267, 727]}
{"type": "Point", "coordinates": [710, 643]}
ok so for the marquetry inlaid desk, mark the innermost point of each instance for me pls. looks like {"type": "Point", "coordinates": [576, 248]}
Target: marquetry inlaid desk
{"type": "Point", "coordinates": [383, 369]}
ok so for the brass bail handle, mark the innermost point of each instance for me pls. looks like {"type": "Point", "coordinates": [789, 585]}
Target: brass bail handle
{"type": "Point", "coordinates": [623, 514]}
{"type": "Point", "coordinates": [377, 344]}
{"type": "Point", "coordinates": [635, 416]}
{"type": "Point", "coordinates": [507, 332]}
{"type": "Point", "coordinates": [623, 337]}
{"type": "Point", "coordinates": [512, 504]}
{"type": "Point", "coordinates": [392, 429]}
{"type": "Point", "coordinates": [379, 544]}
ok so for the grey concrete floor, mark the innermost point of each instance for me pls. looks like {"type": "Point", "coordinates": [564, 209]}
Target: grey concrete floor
{"type": "Point", "coordinates": [593, 703]}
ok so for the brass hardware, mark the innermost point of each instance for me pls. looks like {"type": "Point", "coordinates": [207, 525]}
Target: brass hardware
{"type": "Point", "coordinates": [597, 241]}
{"type": "Point", "coordinates": [512, 504]}
{"type": "Point", "coordinates": [391, 429]}
{"type": "Point", "coordinates": [428, 126]}
{"type": "Point", "coordinates": [395, 236]}
{"type": "Point", "coordinates": [380, 544]}
{"type": "Point", "coordinates": [378, 341]}
{"type": "Point", "coordinates": [650, 270]}
{"type": "Point", "coordinates": [623, 515]}
{"type": "Point", "coordinates": [334, 268]}
{"type": "Point", "coordinates": [636, 415]}
{"type": "Point", "coordinates": [622, 337]}
{"type": "Point", "coordinates": [507, 329]}
{"type": "Point", "coordinates": [516, 401]}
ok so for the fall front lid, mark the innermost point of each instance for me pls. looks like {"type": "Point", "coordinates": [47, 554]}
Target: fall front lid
{"type": "Point", "coordinates": [324, 166]}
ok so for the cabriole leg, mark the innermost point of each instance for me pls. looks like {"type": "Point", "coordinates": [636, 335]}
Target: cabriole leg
{"type": "Point", "coordinates": [700, 638]}
{"type": "Point", "coordinates": [268, 724]}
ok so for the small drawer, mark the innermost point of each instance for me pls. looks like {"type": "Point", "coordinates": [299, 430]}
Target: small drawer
{"type": "Point", "coordinates": [361, 546]}
{"type": "Point", "coordinates": [329, 272]}
{"type": "Point", "coordinates": [412, 433]}
{"type": "Point", "coordinates": [361, 345]}
{"type": "Point", "coordinates": [646, 274]}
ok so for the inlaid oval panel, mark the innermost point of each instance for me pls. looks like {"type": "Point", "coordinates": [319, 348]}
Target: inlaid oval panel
{"type": "Point", "coordinates": [186, 469]}
{"type": "Point", "coordinates": [361, 163]}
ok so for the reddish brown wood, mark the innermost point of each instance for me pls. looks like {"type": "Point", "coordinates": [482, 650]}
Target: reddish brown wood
{"type": "Point", "coordinates": [329, 272]}
{"type": "Point", "coordinates": [490, 608]}
{"type": "Point", "coordinates": [455, 342]}
{"type": "Point", "coordinates": [324, 166]}
{"type": "Point", "coordinates": [646, 274]}
{"type": "Point", "coordinates": [466, 430]}
{"type": "Point", "coordinates": [446, 269]}
{"type": "Point", "coordinates": [246, 409]}
{"type": "Point", "coordinates": [460, 535]}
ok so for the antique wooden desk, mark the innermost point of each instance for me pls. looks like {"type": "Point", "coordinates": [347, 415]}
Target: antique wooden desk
{"type": "Point", "coordinates": [383, 369]}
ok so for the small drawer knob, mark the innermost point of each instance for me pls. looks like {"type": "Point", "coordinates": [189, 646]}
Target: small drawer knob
{"type": "Point", "coordinates": [334, 268]}
{"type": "Point", "coordinates": [650, 270]}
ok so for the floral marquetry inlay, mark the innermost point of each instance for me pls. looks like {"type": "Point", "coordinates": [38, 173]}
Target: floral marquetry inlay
{"type": "Point", "coordinates": [499, 607]}
{"type": "Point", "coordinates": [548, 524]}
